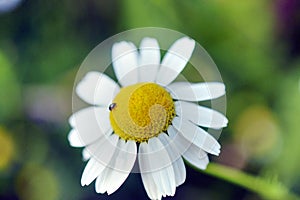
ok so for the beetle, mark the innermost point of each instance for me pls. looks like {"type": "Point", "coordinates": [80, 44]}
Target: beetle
{"type": "Point", "coordinates": [112, 106]}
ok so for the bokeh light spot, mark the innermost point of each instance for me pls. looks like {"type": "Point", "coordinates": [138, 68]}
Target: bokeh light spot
{"type": "Point", "coordinates": [6, 149]}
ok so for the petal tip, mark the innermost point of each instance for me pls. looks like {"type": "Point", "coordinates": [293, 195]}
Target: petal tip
{"type": "Point", "coordinates": [82, 182]}
{"type": "Point", "coordinates": [189, 42]}
{"type": "Point", "coordinates": [119, 48]}
{"type": "Point", "coordinates": [217, 151]}
{"type": "Point", "coordinates": [71, 120]}
{"type": "Point", "coordinates": [74, 139]}
{"type": "Point", "coordinates": [148, 42]}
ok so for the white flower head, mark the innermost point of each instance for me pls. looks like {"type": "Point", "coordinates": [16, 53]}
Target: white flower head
{"type": "Point", "coordinates": [146, 118]}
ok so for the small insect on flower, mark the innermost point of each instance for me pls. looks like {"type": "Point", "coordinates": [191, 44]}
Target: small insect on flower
{"type": "Point", "coordinates": [112, 106]}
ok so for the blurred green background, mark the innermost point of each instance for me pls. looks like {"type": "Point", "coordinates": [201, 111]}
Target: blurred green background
{"type": "Point", "coordinates": [255, 44]}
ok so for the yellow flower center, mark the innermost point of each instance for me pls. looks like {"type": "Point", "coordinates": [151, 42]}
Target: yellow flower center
{"type": "Point", "coordinates": [141, 111]}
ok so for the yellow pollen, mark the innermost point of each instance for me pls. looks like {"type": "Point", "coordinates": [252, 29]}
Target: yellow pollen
{"type": "Point", "coordinates": [141, 111]}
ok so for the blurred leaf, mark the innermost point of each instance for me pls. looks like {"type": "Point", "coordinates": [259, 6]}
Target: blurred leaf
{"type": "Point", "coordinates": [53, 60]}
{"type": "Point", "coordinates": [238, 35]}
{"type": "Point", "coordinates": [10, 90]}
{"type": "Point", "coordinates": [143, 13]}
{"type": "Point", "coordinates": [289, 111]}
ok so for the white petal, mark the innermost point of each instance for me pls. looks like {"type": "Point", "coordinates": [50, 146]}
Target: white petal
{"type": "Point", "coordinates": [152, 191]}
{"type": "Point", "coordinates": [97, 89]}
{"type": "Point", "coordinates": [149, 60]}
{"type": "Point", "coordinates": [178, 165]}
{"type": "Point", "coordinates": [102, 151]}
{"type": "Point", "coordinates": [89, 124]}
{"type": "Point", "coordinates": [125, 155]}
{"type": "Point", "coordinates": [196, 157]}
{"type": "Point", "coordinates": [115, 180]}
{"type": "Point", "coordinates": [175, 60]}
{"type": "Point", "coordinates": [200, 115]}
{"type": "Point", "coordinates": [125, 62]}
{"type": "Point", "coordinates": [182, 144]}
{"type": "Point", "coordinates": [193, 154]}
{"type": "Point", "coordinates": [119, 167]}
{"type": "Point", "coordinates": [148, 181]}
{"type": "Point", "coordinates": [197, 136]}
{"type": "Point", "coordinates": [196, 91]}
{"type": "Point", "coordinates": [91, 171]}
{"type": "Point", "coordinates": [74, 139]}
{"type": "Point", "coordinates": [109, 177]}
{"type": "Point", "coordinates": [154, 158]}
{"type": "Point", "coordinates": [72, 121]}
{"type": "Point", "coordinates": [85, 154]}
{"type": "Point", "coordinates": [173, 133]}
{"type": "Point", "coordinates": [100, 185]}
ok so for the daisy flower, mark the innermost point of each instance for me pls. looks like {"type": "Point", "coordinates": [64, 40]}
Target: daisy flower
{"type": "Point", "coordinates": [145, 118]}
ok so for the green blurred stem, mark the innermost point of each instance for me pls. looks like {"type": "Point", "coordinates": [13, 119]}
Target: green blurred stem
{"type": "Point", "coordinates": [268, 189]}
